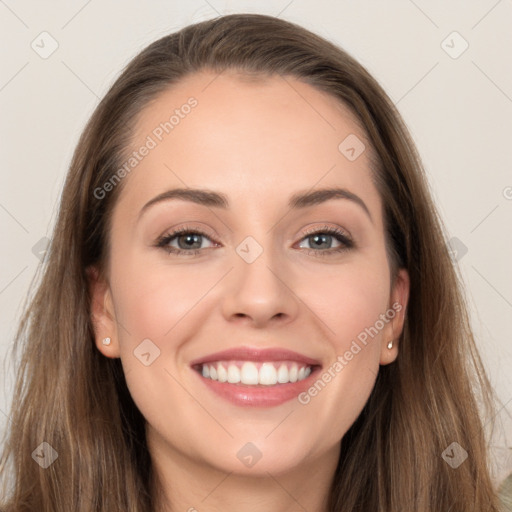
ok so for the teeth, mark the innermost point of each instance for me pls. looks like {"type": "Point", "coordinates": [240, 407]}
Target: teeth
{"type": "Point", "coordinates": [249, 374]}
{"type": "Point", "coordinates": [283, 374]}
{"type": "Point", "coordinates": [222, 374]}
{"type": "Point", "coordinates": [268, 374]}
{"type": "Point", "coordinates": [252, 374]}
{"type": "Point", "coordinates": [233, 374]}
{"type": "Point", "coordinates": [293, 374]}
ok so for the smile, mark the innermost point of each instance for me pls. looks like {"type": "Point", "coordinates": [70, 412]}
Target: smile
{"type": "Point", "coordinates": [257, 377]}
{"type": "Point", "coordinates": [253, 373]}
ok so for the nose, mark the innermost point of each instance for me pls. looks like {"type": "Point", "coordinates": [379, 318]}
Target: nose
{"type": "Point", "coordinates": [258, 293]}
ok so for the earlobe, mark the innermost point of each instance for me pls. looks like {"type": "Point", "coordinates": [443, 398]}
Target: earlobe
{"type": "Point", "coordinates": [102, 314]}
{"type": "Point", "coordinates": [389, 352]}
{"type": "Point", "coordinates": [398, 304]}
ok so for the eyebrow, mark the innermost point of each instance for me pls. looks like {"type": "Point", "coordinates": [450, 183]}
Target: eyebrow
{"type": "Point", "coordinates": [299, 200]}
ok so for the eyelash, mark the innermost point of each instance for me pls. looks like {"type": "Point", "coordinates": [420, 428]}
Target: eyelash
{"type": "Point", "coordinates": [338, 234]}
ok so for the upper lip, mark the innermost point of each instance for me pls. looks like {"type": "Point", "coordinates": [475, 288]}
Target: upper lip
{"type": "Point", "coordinates": [256, 354]}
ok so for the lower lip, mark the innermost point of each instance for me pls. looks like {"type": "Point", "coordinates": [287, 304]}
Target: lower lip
{"type": "Point", "coordinates": [259, 396]}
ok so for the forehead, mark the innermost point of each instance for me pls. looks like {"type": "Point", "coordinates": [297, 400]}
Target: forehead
{"type": "Point", "coordinates": [254, 138]}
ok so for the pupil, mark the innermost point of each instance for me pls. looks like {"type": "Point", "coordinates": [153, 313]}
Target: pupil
{"type": "Point", "coordinates": [316, 238]}
{"type": "Point", "coordinates": [189, 239]}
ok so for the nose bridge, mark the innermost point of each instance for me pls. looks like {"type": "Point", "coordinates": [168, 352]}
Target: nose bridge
{"type": "Point", "coordinates": [258, 263]}
{"type": "Point", "coordinates": [257, 283]}
{"type": "Point", "coordinates": [257, 249]}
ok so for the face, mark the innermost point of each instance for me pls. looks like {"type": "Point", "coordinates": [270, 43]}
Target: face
{"type": "Point", "coordinates": [297, 290]}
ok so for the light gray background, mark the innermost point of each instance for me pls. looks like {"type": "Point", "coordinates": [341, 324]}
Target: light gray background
{"type": "Point", "coordinates": [458, 110]}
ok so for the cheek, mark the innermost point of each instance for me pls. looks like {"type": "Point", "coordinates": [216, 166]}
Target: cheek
{"type": "Point", "coordinates": [350, 304]}
{"type": "Point", "coordinates": [151, 299]}
{"type": "Point", "coordinates": [348, 300]}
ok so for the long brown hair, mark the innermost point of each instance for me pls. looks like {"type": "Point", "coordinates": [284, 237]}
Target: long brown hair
{"type": "Point", "coordinates": [73, 398]}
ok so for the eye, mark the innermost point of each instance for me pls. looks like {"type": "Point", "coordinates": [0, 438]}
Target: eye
{"type": "Point", "coordinates": [188, 240]}
{"type": "Point", "coordinates": [318, 238]}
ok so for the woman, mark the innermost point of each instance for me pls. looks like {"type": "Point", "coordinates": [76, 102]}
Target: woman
{"type": "Point", "coordinates": [262, 370]}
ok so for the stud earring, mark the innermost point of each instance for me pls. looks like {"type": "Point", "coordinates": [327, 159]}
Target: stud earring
{"type": "Point", "coordinates": [106, 341]}
{"type": "Point", "coordinates": [390, 345]}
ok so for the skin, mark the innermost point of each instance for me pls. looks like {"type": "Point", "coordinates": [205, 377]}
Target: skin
{"type": "Point", "coordinates": [258, 142]}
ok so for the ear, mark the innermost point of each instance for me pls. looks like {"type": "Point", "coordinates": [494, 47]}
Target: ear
{"type": "Point", "coordinates": [102, 313]}
{"type": "Point", "coordinates": [398, 300]}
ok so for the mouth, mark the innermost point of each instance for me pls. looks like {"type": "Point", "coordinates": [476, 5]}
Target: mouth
{"type": "Point", "coordinates": [256, 377]}
{"type": "Point", "coordinates": [252, 373]}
